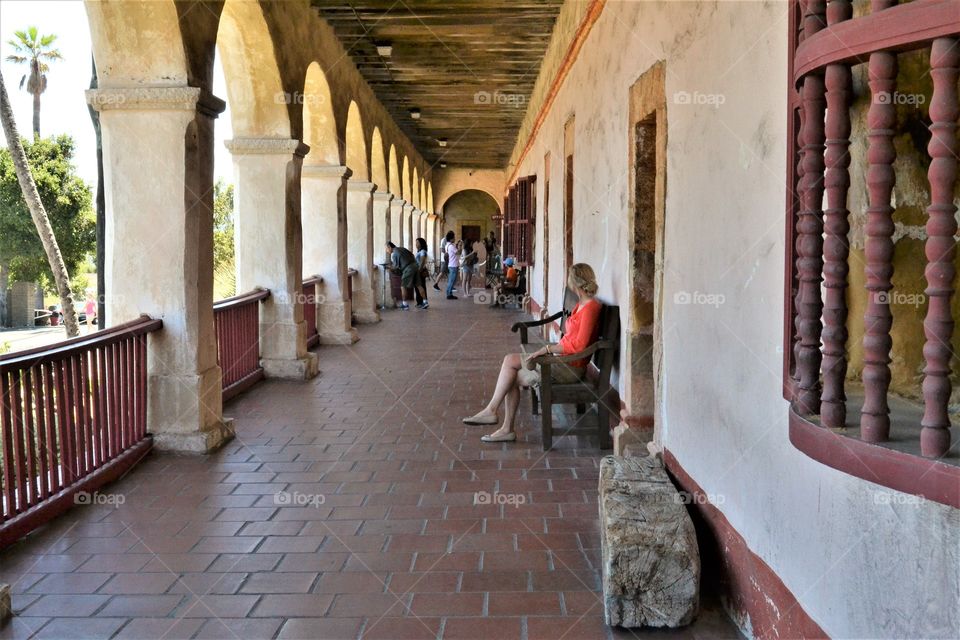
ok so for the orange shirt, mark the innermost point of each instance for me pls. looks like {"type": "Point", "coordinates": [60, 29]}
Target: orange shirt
{"type": "Point", "coordinates": [511, 276]}
{"type": "Point", "coordinates": [583, 329]}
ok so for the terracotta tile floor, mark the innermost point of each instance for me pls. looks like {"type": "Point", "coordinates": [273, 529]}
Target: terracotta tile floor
{"type": "Point", "coordinates": [346, 507]}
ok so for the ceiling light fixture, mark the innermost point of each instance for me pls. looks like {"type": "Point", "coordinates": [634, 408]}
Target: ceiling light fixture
{"type": "Point", "coordinates": [443, 165]}
{"type": "Point", "coordinates": [384, 49]}
{"type": "Point", "coordinates": [415, 113]}
{"type": "Point", "coordinates": [442, 142]}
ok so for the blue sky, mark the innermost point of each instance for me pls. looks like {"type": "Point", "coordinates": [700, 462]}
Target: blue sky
{"type": "Point", "coordinates": [63, 107]}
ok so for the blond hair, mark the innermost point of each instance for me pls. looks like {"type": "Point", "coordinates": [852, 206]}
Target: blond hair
{"type": "Point", "coordinates": [582, 277]}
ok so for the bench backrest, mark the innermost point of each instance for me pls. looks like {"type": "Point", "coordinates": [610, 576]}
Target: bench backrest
{"type": "Point", "coordinates": [609, 330]}
{"type": "Point", "coordinates": [570, 300]}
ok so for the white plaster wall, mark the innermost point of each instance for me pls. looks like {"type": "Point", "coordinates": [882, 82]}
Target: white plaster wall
{"type": "Point", "coordinates": [860, 567]}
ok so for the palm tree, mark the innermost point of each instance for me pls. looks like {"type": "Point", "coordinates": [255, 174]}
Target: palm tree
{"type": "Point", "coordinates": [38, 213]}
{"type": "Point", "coordinates": [34, 50]}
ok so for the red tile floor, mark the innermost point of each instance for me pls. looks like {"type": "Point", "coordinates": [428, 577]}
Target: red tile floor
{"type": "Point", "coordinates": [347, 507]}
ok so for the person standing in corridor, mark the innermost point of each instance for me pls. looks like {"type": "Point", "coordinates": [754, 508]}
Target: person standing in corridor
{"type": "Point", "coordinates": [453, 265]}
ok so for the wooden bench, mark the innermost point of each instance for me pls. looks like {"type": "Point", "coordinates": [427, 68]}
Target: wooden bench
{"type": "Point", "coordinates": [592, 390]}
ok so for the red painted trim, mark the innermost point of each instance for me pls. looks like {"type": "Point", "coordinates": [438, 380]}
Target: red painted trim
{"type": "Point", "coordinates": [878, 464]}
{"type": "Point", "coordinates": [902, 27]}
{"type": "Point", "coordinates": [752, 589]}
{"type": "Point", "coordinates": [19, 526]}
{"type": "Point", "coordinates": [593, 14]}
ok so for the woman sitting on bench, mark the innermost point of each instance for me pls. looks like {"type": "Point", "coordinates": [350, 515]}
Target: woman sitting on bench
{"type": "Point", "coordinates": [583, 327]}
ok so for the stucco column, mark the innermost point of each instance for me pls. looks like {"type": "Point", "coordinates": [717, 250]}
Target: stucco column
{"type": "Point", "coordinates": [268, 248]}
{"type": "Point", "coordinates": [158, 188]}
{"type": "Point", "coordinates": [381, 234]}
{"type": "Point", "coordinates": [432, 221]}
{"type": "Point", "coordinates": [323, 191]}
{"type": "Point", "coordinates": [408, 225]}
{"type": "Point", "coordinates": [396, 220]}
{"type": "Point", "coordinates": [360, 249]}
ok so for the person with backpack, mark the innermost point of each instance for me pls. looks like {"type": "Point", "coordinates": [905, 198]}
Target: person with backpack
{"type": "Point", "coordinates": [403, 263]}
{"type": "Point", "coordinates": [420, 285]}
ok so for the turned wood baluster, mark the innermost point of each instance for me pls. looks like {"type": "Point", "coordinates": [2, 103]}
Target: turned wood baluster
{"type": "Point", "coordinates": [810, 228]}
{"type": "Point", "coordinates": [878, 245]}
{"type": "Point", "coordinates": [833, 411]}
{"type": "Point", "coordinates": [941, 229]}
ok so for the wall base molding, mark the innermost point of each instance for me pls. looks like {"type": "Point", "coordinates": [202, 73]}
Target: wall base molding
{"type": "Point", "coordinates": [754, 596]}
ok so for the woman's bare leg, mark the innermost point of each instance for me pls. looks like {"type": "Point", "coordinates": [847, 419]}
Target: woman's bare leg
{"type": "Point", "coordinates": [505, 382]}
{"type": "Point", "coordinates": [512, 402]}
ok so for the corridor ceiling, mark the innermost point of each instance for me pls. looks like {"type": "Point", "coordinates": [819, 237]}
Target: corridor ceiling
{"type": "Point", "coordinates": [469, 66]}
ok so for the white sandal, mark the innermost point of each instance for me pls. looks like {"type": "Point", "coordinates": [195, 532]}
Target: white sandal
{"type": "Point", "coordinates": [510, 437]}
{"type": "Point", "coordinates": [481, 420]}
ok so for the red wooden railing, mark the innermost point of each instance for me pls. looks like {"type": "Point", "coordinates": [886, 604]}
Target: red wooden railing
{"type": "Point", "coordinates": [310, 286]}
{"type": "Point", "coordinates": [828, 41]}
{"type": "Point", "coordinates": [237, 322]}
{"type": "Point", "coordinates": [73, 418]}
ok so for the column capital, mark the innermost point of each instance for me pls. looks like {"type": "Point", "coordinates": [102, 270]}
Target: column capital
{"type": "Point", "coordinates": [361, 185]}
{"type": "Point", "coordinates": [398, 202]}
{"type": "Point", "coordinates": [382, 196]}
{"type": "Point", "coordinates": [408, 207]}
{"type": "Point", "coordinates": [266, 146]}
{"type": "Point", "coordinates": [432, 216]}
{"type": "Point", "coordinates": [143, 98]}
{"type": "Point", "coordinates": [325, 171]}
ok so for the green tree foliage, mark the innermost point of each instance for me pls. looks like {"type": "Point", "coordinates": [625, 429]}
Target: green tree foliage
{"type": "Point", "coordinates": [224, 265]}
{"type": "Point", "coordinates": [68, 202]}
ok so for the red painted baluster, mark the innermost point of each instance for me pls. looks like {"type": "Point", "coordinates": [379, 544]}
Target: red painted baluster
{"type": "Point", "coordinates": [53, 448]}
{"type": "Point", "coordinates": [33, 489]}
{"type": "Point", "coordinates": [19, 452]}
{"type": "Point", "coordinates": [65, 423]}
{"type": "Point", "coordinates": [83, 422]}
{"type": "Point", "coordinates": [941, 229]}
{"type": "Point", "coordinates": [128, 385]}
{"type": "Point", "coordinates": [878, 245]}
{"type": "Point", "coordinates": [142, 382]}
{"type": "Point", "coordinates": [838, 79]}
{"type": "Point", "coordinates": [108, 443]}
{"type": "Point", "coordinates": [122, 393]}
{"type": "Point", "coordinates": [43, 479]}
{"type": "Point", "coordinates": [6, 438]}
{"type": "Point", "coordinates": [116, 421]}
{"type": "Point", "coordinates": [810, 228]}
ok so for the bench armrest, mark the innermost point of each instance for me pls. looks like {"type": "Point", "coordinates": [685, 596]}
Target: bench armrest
{"type": "Point", "coordinates": [536, 323]}
{"type": "Point", "coordinates": [574, 357]}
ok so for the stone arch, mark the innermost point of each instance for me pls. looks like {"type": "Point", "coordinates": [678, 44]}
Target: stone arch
{"type": "Point", "coordinates": [146, 54]}
{"type": "Point", "coordinates": [378, 163]}
{"type": "Point", "coordinates": [405, 180]}
{"type": "Point", "coordinates": [430, 198]}
{"type": "Point", "coordinates": [356, 144]}
{"type": "Point", "coordinates": [471, 207]}
{"type": "Point", "coordinates": [319, 123]}
{"type": "Point", "coordinates": [394, 173]}
{"type": "Point", "coordinates": [258, 104]}
{"type": "Point", "coordinates": [423, 195]}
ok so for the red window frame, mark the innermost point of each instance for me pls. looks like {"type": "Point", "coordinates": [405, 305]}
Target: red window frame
{"type": "Point", "coordinates": [519, 221]}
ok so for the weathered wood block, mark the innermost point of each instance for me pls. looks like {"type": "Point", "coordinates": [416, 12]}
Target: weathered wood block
{"type": "Point", "coordinates": [651, 564]}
